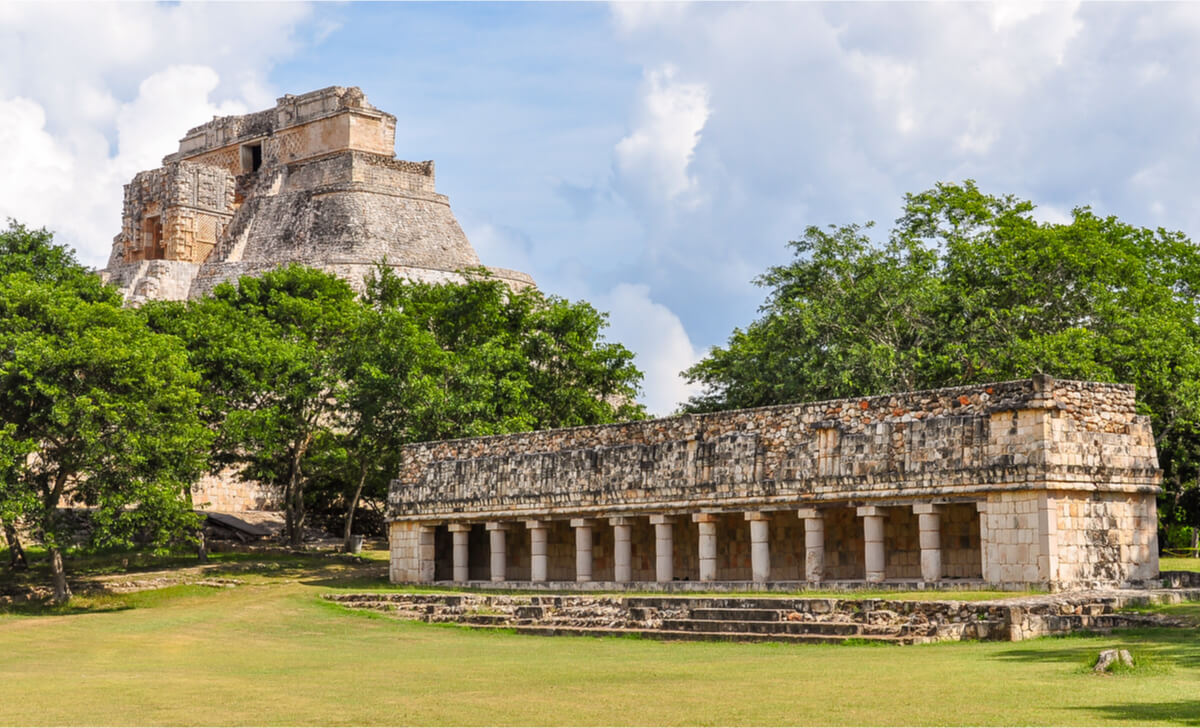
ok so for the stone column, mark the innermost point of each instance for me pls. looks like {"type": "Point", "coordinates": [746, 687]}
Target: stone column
{"type": "Point", "coordinates": [664, 548]}
{"type": "Point", "coordinates": [499, 550]}
{"type": "Point", "coordinates": [873, 542]}
{"type": "Point", "coordinates": [707, 523]}
{"type": "Point", "coordinates": [622, 548]}
{"type": "Point", "coordinates": [583, 548]}
{"type": "Point", "coordinates": [760, 548]}
{"type": "Point", "coordinates": [984, 541]}
{"type": "Point", "coordinates": [426, 552]}
{"type": "Point", "coordinates": [814, 544]}
{"type": "Point", "coordinates": [460, 532]}
{"type": "Point", "coordinates": [930, 530]}
{"type": "Point", "coordinates": [539, 561]}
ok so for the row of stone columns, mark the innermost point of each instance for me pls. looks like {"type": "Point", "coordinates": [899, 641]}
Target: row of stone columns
{"type": "Point", "coordinates": [664, 548]}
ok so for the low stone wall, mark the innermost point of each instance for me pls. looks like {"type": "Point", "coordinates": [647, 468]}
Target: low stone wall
{"type": "Point", "coordinates": [912, 621]}
{"type": "Point", "coordinates": [225, 492]}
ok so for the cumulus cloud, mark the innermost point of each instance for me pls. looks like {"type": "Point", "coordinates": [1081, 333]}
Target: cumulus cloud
{"type": "Point", "coordinates": [658, 338]}
{"type": "Point", "coordinates": [653, 159]}
{"type": "Point", "coordinates": [92, 93]}
{"type": "Point", "coordinates": [829, 113]}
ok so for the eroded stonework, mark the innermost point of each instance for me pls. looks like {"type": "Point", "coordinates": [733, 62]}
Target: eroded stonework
{"type": "Point", "coordinates": [1033, 481]}
{"type": "Point", "coordinates": [311, 181]}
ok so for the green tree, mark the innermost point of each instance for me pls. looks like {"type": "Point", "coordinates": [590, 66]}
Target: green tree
{"type": "Point", "coordinates": [270, 353]}
{"type": "Point", "coordinates": [463, 359]}
{"type": "Point", "coordinates": [970, 287]}
{"type": "Point", "coordinates": [95, 409]}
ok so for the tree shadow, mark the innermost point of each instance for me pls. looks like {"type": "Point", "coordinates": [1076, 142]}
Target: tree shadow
{"type": "Point", "coordinates": [1179, 712]}
{"type": "Point", "coordinates": [1175, 646]}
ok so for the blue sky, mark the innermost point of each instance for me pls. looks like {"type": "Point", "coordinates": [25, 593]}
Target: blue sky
{"type": "Point", "coordinates": [651, 159]}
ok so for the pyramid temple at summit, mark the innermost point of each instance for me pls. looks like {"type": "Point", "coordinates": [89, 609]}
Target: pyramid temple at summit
{"type": "Point", "coordinates": [313, 180]}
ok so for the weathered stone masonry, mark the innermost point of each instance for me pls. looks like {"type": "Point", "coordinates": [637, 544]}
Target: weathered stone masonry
{"type": "Point", "coordinates": [312, 180]}
{"type": "Point", "coordinates": [1033, 481]}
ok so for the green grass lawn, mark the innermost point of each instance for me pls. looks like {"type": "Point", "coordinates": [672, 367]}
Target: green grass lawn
{"type": "Point", "coordinates": [1178, 563]}
{"type": "Point", "coordinates": [270, 652]}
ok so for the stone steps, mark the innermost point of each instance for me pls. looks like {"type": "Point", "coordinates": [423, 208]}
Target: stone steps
{"type": "Point", "coordinates": [758, 627]}
{"type": "Point", "coordinates": [741, 615]}
{"type": "Point", "coordinates": [790, 619]}
{"type": "Point", "coordinates": [701, 636]}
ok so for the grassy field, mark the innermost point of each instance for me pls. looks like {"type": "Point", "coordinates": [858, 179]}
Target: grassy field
{"type": "Point", "coordinates": [269, 651]}
{"type": "Point", "coordinates": [1177, 563]}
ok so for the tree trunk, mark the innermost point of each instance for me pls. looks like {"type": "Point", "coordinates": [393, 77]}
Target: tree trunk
{"type": "Point", "coordinates": [1196, 542]}
{"type": "Point", "coordinates": [362, 478]}
{"type": "Point", "coordinates": [201, 547]}
{"type": "Point", "coordinates": [62, 592]}
{"type": "Point", "coordinates": [16, 553]}
{"type": "Point", "coordinates": [294, 495]}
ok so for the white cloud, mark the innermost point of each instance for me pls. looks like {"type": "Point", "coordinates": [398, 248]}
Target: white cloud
{"type": "Point", "coordinates": [92, 93]}
{"type": "Point", "coordinates": [662, 346]}
{"type": "Point", "coordinates": [168, 104]}
{"type": "Point", "coordinates": [652, 161]}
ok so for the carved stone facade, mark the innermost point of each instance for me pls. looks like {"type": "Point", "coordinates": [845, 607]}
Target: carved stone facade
{"type": "Point", "coordinates": [1033, 481]}
{"type": "Point", "coordinates": [311, 181]}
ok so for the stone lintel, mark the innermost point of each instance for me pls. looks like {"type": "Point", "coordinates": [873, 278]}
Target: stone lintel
{"type": "Point", "coordinates": [927, 508]}
{"type": "Point", "coordinates": [620, 521]}
{"type": "Point", "coordinates": [810, 513]}
{"type": "Point", "coordinates": [757, 516]}
{"type": "Point", "coordinates": [459, 527]}
{"type": "Point", "coordinates": [498, 525]}
{"type": "Point", "coordinates": [705, 517]}
{"type": "Point", "coordinates": [864, 511]}
{"type": "Point", "coordinates": [583, 522]}
{"type": "Point", "coordinates": [429, 524]}
{"type": "Point", "coordinates": [661, 519]}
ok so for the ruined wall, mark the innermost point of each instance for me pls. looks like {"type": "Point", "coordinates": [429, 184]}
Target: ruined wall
{"type": "Point", "coordinates": [299, 127]}
{"type": "Point", "coordinates": [225, 492]}
{"type": "Point", "coordinates": [1104, 537]}
{"type": "Point", "coordinates": [177, 212]}
{"type": "Point", "coordinates": [1015, 436]}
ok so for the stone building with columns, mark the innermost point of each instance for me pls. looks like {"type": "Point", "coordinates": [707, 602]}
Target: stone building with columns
{"type": "Point", "coordinates": [1028, 482]}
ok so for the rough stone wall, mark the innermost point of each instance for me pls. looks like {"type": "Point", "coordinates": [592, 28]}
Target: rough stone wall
{"type": "Point", "coordinates": [404, 552]}
{"type": "Point", "coordinates": [1017, 549]}
{"type": "Point", "coordinates": [190, 205]}
{"type": "Point", "coordinates": [1105, 537]}
{"type": "Point", "coordinates": [152, 280]}
{"type": "Point", "coordinates": [946, 442]}
{"type": "Point", "coordinates": [225, 492]}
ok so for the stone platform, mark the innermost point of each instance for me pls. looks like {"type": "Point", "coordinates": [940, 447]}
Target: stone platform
{"type": "Point", "coordinates": [780, 619]}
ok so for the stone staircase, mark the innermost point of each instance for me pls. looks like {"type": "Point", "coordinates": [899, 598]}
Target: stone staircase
{"type": "Point", "coordinates": [689, 618]}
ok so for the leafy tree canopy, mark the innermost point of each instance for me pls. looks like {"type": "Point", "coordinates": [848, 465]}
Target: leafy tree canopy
{"type": "Point", "coordinates": [95, 409]}
{"type": "Point", "coordinates": [466, 359]}
{"type": "Point", "coordinates": [969, 287]}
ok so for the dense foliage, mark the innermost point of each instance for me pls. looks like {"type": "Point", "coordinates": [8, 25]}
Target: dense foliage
{"type": "Point", "coordinates": [96, 410]}
{"type": "Point", "coordinates": [314, 390]}
{"type": "Point", "coordinates": [970, 287]}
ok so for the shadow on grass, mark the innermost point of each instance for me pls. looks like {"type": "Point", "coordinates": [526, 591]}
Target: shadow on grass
{"type": "Point", "coordinates": [1167, 646]}
{"type": "Point", "coordinates": [1178, 712]}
